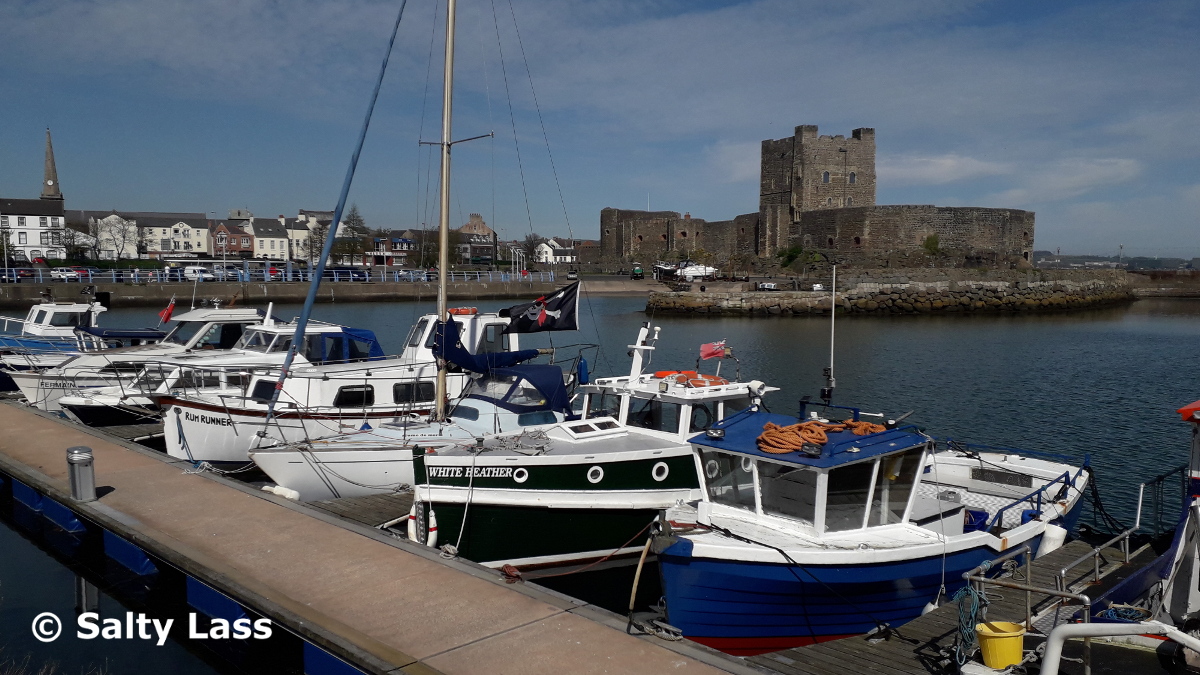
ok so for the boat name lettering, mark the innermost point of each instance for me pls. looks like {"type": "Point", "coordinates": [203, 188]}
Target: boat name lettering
{"type": "Point", "coordinates": [207, 419]}
{"type": "Point", "coordinates": [470, 472]}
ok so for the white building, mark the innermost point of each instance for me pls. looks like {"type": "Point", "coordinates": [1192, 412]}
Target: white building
{"type": "Point", "coordinates": [271, 238]}
{"type": "Point", "coordinates": [33, 228]}
{"type": "Point", "coordinates": [553, 251]}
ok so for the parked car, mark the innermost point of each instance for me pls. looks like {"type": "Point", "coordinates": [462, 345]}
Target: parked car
{"type": "Point", "coordinates": [64, 274]}
{"type": "Point", "coordinates": [345, 273]}
{"type": "Point", "coordinates": [572, 275]}
{"type": "Point", "coordinates": [198, 273]}
{"type": "Point", "coordinates": [768, 286]}
{"type": "Point", "coordinates": [227, 272]}
{"type": "Point", "coordinates": [13, 275]}
{"type": "Point", "coordinates": [637, 272]}
{"type": "Point", "coordinates": [274, 273]}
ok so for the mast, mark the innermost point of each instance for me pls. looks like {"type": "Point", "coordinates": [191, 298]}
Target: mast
{"type": "Point", "coordinates": [444, 219]}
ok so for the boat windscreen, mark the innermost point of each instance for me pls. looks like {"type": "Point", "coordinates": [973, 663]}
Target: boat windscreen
{"type": "Point", "coordinates": [184, 332]}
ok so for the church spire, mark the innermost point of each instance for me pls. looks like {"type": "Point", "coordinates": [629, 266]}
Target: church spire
{"type": "Point", "coordinates": [50, 188]}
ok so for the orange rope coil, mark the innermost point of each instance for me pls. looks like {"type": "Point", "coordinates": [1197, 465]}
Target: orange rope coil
{"type": "Point", "coordinates": [780, 440]}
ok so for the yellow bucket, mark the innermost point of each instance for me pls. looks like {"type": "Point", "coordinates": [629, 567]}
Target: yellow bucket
{"type": "Point", "coordinates": [1001, 643]}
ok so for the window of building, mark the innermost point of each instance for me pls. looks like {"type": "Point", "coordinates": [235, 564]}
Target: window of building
{"type": "Point", "coordinates": [56, 238]}
{"type": "Point", "coordinates": [45, 238]}
{"type": "Point", "coordinates": [831, 242]}
{"type": "Point", "coordinates": [849, 201]}
{"type": "Point", "coordinates": [187, 234]}
{"type": "Point", "coordinates": [245, 241]}
{"type": "Point", "coordinates": [42, 221]}
{"type": "Point", "coordinates": [164, 244]}
{"type": "Point", "coordinates": [683, 233]}
{"type": "Point", "coordinates": [261, 244]}
{"type": "Point", "coordinates": [639, 237]}
{"type": "Point", "coordinates": [857, 241]}
{"type": "Point", "coordinates": [853, 178]}
{"type": "Point", "coordinates": [272, 244]}
{"type": "Point", "coordinates": [663, 236]}
{"type": "Point", "coordinates": [825, 177]}
{"type": "Point", "coordinates": [174, 245]}
{"type": "Point", "coordinates": [175, 232]}
{"type": "Point", "coordinates": [21, 238]}
{"type": "Point", "coordinates": [829, 201]}
{"type": "Point", "coordinates": [220, 239]}
{"type": "Point", "coordinates": [3, 221]}
{"type": "Point", "coordinates": [55, 222]}
{"type": "Point", "coordinates": [20, 221]}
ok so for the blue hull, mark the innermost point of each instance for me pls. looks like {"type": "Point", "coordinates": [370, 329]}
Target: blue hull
{"type": "Point", "coordinates": [746, 608]}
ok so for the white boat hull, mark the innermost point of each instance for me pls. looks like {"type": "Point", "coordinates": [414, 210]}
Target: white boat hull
{"type": "Point", "coordinates": [332, 474]}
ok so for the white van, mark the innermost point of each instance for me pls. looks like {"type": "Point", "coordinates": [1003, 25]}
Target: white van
{"type": "Point", "coordinates": [196, 272]}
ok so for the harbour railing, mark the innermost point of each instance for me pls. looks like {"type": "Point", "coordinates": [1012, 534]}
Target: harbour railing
{"type": "Point", "coordinates": [282, 272]}
{"type": "Point", "coordinates": [1096, 554]}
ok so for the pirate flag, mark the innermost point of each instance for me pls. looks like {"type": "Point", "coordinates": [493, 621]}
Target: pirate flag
{"type": "Point", "coordinates": [558, 311]}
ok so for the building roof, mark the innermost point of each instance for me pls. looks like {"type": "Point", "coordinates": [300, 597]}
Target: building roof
{"type": "Point", "coordinates": [295, 224]}
{"type": "Point", "coordinates": [319, 215]}
{"type": "Point", "coordinates": [31, 207]}
{"type": "Point", "coordinates": [268, 227]}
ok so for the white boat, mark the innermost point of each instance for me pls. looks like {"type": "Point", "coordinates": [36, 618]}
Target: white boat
{"type": "Point", "coordinates": [195, 330]}
{"type": "Point", "coordinates": [317, 401]}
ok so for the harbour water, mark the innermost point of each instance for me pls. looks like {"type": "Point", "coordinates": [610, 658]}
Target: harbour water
{"type": "Point", "coordinates": [1104, 383]}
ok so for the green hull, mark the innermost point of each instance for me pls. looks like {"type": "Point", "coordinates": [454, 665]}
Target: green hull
{"type": "Point", "coordinates": [503, 533]}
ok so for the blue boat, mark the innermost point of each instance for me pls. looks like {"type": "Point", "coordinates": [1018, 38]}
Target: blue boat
{"type": "Point", "coordinates": [845, 529]}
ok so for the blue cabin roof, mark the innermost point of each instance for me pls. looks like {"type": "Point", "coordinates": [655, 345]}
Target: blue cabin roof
{"type": "Point", "coordinates": [743, 429]}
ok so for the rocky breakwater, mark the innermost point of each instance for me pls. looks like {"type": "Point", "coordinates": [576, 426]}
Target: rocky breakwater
{"type": "Point", "coordinates": [915, 292]}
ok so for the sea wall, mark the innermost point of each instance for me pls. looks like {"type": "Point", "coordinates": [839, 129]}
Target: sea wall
{"type": "Point", "coordinates": [917, 291]}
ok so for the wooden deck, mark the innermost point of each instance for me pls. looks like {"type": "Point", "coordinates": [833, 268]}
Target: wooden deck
{"type": "Point", "coordinates": [372, 510]}
{"type": "Point", "coordinates": [926, 644]}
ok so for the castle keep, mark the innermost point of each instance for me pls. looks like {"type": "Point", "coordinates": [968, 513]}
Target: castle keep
{"type": "Point", "coordinates": [818, 193]}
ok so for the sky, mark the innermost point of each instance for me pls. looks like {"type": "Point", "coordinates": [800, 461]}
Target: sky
{"type": "Point", "coordinates": [1084, 112]}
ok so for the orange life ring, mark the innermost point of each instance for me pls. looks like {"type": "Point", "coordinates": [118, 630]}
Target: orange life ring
{"type": "Point", "coordinates": [658, 375]}
{"type": "Point", "coordinates": [702, 380]}
{"type": "Point", "coordinates": [463, 310]}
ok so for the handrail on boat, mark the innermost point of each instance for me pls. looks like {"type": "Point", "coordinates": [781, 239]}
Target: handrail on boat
{"type": "Point", "coordinates": [1067, 481]}
{"type": "Point", "coordinates": [1095, 554]}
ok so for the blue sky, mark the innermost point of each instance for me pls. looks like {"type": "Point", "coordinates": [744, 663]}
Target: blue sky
{"type": "Point", "coordinates": [1084, 112]}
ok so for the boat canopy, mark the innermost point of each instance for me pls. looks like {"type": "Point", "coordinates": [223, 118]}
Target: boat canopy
{"type": "Point", "coordinates": [351, 344]}
{"type": "Point", "coordinates": [447, 344]}
{"type": "Point", "coordinates": [523, 388]}
{"type": "Point", "coordinates": [741, 432]}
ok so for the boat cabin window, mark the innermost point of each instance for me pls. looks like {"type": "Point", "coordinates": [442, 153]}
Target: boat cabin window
{"type": "Point", "coordinates": [184, 332]}
{"type": "Point", "coordinates": [846, 498]}
{"type": "Point", "coordinates": [525, 394]}
{"type": "Point", "coordinates": [121, 368]}
{"type": "Point", "coordinates": [702, 417]}
{"type": "Point", "coordinates": [789, 491]}
{"type": "Point", "coordinates": [465, 412]}
{"type": "Point", "coordinates": [418, 331]}
{"type": "Point", "coordinates": [897, 475]}
{"type": "Point", "coordinates": [150, 377]}
{"type": "Point", "coordinates": [493, 340]}
{"type": "Point", "coordinates": [413, 392]}
{"type": "Point", "coordinates": [729, 479]}
{"type": "Point", "coordinates": [653, 414]}
{"type": "Point", "coordinates": [255, 341]}
{"type": "Point", "coordinates": [282, 343]}
{"type": "Point", "coordinates": [220, 336]}
{"type": "Point", "coordinates": [604, 404]}
{"type": "Point", "coordinates": [237, 380]}
{"type": "Point", "coordinates": [68, 319]}
{"type": "Point", "coordinates": [263, 389]}
{"type": "Point", "coordinates": [355, 396]}
{"type": "Point", "coordinates": [40, 317]}
{"type": "Point", "coordinates": [530, 419]}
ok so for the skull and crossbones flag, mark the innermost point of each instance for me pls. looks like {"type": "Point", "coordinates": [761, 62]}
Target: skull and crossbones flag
{"type": "Point", "coordinates": [557, 311]}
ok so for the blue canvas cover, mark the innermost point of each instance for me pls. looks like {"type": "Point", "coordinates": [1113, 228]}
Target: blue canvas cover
{"type": "Point", "coordinates": [352, 344]}
{"type": "Point", "coordinates": [447, 344]}
{"type": "Point", "coordinates": [546, 378]}
{"type": "Point", "coordinates": [743, 429]}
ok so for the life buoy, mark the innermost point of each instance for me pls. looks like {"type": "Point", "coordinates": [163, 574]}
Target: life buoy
{"type": "Point", "coordinates": [658, 375]}
{"type": "Point", "coordinates": [702, 380]}
{"type": "Point", "coordinates": [463, 310]}
{"type": "Point", "coordinates": [432, 541]}
{"type": "Point", "coordinates": [412, 523]}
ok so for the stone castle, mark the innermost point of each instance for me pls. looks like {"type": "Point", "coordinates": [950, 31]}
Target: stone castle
{"type": "Point", "coordinates": [817, 194]}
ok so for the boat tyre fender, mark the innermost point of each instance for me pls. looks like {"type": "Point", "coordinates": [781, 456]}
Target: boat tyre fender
{"type": "Point", "coordinates": [412, 522]}
{"type": "Point", "coordinates": [433, 530]}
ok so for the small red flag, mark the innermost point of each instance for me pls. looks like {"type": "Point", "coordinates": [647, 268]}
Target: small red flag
{"type": "Point", "coordinates": [712, 350]}
{"type": "Point", "coordinates": [165, 315]}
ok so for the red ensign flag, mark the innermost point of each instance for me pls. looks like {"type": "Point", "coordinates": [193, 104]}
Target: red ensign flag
{"type": "Point", "coordinates": [165, 315]}
{"type": "Point", "coordinates": [712, 350]}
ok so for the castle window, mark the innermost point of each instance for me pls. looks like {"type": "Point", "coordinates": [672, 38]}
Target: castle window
{"type": "Point", "coordinates": [825, 177]}
{"type": "Point", "coordinates": [639, 237]}
{"type": "Point", "coordinates": [849, 201]}
{"type": "Point", "coordinates": [743, 230]}
{"type": "Point", "coordinates": [683, 233]}
{"type": "Point", "coordinates": [663, 236]}
{"type": "Point", "coordinates": [853, 178]}
{"type": "Point", "coordinates": [829, 201]}
{"type": "Point", "coordinates": [858, 241]}
{"type": "Point", "coordinates": [831, 242]}
{"type": "Point", "coordinates": [608, 232]}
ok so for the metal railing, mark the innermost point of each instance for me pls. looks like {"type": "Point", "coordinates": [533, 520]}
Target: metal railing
{"type": "Point", "coordinates": [1097, 553]}
{"type": "Point", "coordinates": [283, 272]}
{"type": "Point", "coordinates": [1159, 507]}
{"type": "Point", "coordinates": [1067, 482]}
{"type": "Point", "coordinates": [976, 577]}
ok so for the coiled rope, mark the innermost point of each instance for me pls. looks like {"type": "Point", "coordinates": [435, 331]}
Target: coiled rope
{"type": "Point", "coordinates": [972, 610]}
{"type": "Point", "coordinates": [778, 440]}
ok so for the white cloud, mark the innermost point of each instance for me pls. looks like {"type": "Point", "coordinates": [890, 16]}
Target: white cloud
{"type": "Point", "coordinates": [736, 162]}
{"type": "Point", "coordinates": [1069, 178]}
{"type": "Point", "coordinates": [913, 170]}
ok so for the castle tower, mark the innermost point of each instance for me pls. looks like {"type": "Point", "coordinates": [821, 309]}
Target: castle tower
{"type": "Point", "coordinates": [50, 189]}
{"type": "Point", "coordinates": [809, 172]}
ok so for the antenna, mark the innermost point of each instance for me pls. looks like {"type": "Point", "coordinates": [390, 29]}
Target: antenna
{"type": "Point", "coordinates": [830, 382]}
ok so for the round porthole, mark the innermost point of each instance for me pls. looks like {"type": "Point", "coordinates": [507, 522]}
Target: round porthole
{"type": "Point", "coordinates": [711, 468]}
{"type": "Point", "coordinates": [595, 474]}
{"type": "Point", "coordinates": [660, 471]}
{"type": "Point", "coordinates": [747, 464]}
{"type": "Point", "coordinates": [521, 475]}
{"type": "Point", "coordinates": [178, 410]}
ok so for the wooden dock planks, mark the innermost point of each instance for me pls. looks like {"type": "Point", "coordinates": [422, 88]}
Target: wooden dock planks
{"type": "Point", "coordinates": [917, 647]}
{"type": "Point", "coordinates": [371, 510]}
